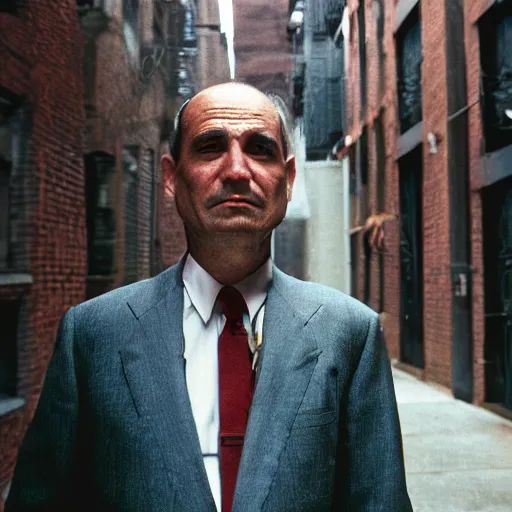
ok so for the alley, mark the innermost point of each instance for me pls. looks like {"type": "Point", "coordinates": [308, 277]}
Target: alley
{"type": "Point", "coordinates": [458, 457]}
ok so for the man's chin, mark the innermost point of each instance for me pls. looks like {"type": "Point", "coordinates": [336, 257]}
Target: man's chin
{"type": "Point", "coordinates": [238, 226]}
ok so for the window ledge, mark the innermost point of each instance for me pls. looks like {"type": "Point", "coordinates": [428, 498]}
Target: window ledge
{"type": "Point", "coordinates": [8, 405]}
{"type": "Point", "coordinates": [10, 279]}
{"type": "Point", "coordinates": [496, 166]}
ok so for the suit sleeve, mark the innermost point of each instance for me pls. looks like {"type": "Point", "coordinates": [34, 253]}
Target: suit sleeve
{"type": "Point", "coordinates": [374, 475]}
{"type": "Point", "coordinates": [43, 475]}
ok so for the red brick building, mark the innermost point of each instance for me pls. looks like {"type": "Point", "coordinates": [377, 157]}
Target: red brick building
{"type": "Point", "coordinates": [213, 63]}
{"type": "Point", "coordinates": [262, 50]}
{"type": "Point", "coordinates": [126, 131]}
{"type": "Point", "coordinates": [43, 252]}
{"type": "Point", "coordinates": [88, 94]}
{"type": "Point", "coordinates": [488, 28]}
{"type": "Point", "coordinates": [422, 153]}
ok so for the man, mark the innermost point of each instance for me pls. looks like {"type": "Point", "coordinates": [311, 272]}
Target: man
{"type": "Point", "coordinates": [174, 394]}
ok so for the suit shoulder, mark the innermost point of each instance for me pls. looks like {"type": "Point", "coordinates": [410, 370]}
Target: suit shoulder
{"type": "Point", "coordinates": [307, 294]}
{"type": "Point", "coordinates": [110, 302]}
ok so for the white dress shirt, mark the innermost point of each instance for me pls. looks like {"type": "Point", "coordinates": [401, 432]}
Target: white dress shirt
{"type": "Point", "coordinates": [203, 322]}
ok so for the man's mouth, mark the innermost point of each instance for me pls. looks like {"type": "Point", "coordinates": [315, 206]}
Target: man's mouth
{"type": "Point", "coordinates": [238, 200]}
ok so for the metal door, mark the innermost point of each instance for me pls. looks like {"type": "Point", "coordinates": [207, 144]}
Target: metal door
{"type": "Point", "coordinates": [498, 292]}
{"type": "Point", "coordinates": [411, 261]}
{"type": "Point", "coordinates": [505, 269]}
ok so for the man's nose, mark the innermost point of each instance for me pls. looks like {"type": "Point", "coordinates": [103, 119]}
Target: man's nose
{"type": "Point", "coordinates": [236, 165]}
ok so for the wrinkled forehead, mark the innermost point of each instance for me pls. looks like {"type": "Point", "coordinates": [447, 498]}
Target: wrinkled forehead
{"type": "Point", "coordinates": [237, 109]}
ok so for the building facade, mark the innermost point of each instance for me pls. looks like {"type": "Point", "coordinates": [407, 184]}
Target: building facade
{"type": "Point", "coordinates": [158, 54]}
{"type": "Point", "coordinates": [263, 56]}
{"type": "Point", "coordinates": [488, 32]}
{"type": "Point", "coordinates": [88, 95]}
{"type": "Point", "coordinates": [320, 44]}
{"type": "Point", "coordinates": [428, 95]}
{"type": "Point", "coordinates": [43, 250]}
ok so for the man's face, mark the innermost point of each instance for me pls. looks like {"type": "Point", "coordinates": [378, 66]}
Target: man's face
{"type": "Point", "coordinates": [231, 175]}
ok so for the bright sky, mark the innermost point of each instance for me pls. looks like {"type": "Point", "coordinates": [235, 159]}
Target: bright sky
{"type": "Point", "coordinates": [226, 23]}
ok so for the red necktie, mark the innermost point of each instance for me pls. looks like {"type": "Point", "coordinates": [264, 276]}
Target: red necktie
{"type": "Point", "coordinates": [235, 390]}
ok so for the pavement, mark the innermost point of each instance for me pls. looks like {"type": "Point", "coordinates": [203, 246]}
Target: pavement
{"type": "Point", "coordinates": [458, 457]}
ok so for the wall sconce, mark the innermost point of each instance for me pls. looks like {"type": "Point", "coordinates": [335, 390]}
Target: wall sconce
{"type": "Point", "coordinates": [433, 140]}
{"type": "Point", "coordinates": [296, 18]}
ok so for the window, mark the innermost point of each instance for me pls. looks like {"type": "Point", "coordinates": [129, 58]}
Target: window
{"type": "Point", "coordinates": [131, 27]}
{"type": "Point", "coordinates": [381, 163]}
{"type": "Point", "coordinates": [367, 270]}
{"type": "Point", "coordinates": [86, 6]}
{"type": "Point", "coordinates": [189, 30]}
{"type": "Point", "coordinates": [13, 182]}
{"type": "Point", "coordinates": [359, 178]}
{"type": "Point", "coordinates": [333, 15]}
{"type": "Point", "coordinates": [101, 230]}
{"type": "Point", "coordinates": [153, 210]}
{"type": "Point", "coordinates": [89, 4]}
{"type": "Point", "coordinates": [131, 193]}
{"type": "Point", "coordinates": [10, 6]}
{"type": "Point", "coordinates": [496, 68]}
{"type": "Point", "coordinates": [299, 74]}
{"type": "Point", "coordinates": [158, 38]}
{"type": "Point", "coordinates": [8, 349]}
{"type": "Point", "coordinates": [5, 178]}
{"type": "Point", "coordinates": [409, 60]}
{"type": "Point", "coordinates": [363, 149]}
{"type": "Point", "coordinates": [361, 21]}
{"type": "Point", "coordinates": [378, 9]}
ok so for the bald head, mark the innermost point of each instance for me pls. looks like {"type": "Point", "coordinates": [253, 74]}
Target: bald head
{"type": "Point", "coordinates": [227, 98]}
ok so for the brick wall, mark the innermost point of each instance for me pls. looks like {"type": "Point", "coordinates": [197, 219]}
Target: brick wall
{"type": "Point", "coordinates": [436, 222]}
{"type": "Point", "coordinates": [213, 63]}
{"type": "Point", "coordinates": [261, 45]}
{"type": "Point", "coordinates": [435, 208]}
{"type": "Point", "coordinates": [171, 235]}
{"type": "Point", "coordinates": [437, 292]}
{"type": "Point", "coordinates": [43, 66]}
{"type": "Point", "coordinates": [132, 114]}
{"type": "Point", "coordinates": [43, 49]}
{"type": "Point", "coordinates": [473, 11]}
{"type": "Point", "coordinates": [387, 107]}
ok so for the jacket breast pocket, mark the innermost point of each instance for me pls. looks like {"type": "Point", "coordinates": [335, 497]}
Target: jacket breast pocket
{"type": "Point", "coordinates": [314, 418]}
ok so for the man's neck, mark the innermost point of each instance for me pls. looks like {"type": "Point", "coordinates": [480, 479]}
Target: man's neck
{"type": "Point", "coordinates": [230, 263]}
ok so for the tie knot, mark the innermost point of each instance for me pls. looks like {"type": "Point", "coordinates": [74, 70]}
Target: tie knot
{"type": "Point", "coordinates": [232, 303]}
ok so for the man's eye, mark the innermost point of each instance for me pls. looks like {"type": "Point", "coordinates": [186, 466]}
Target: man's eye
{"type": "Point", "coordinates": [210, 147]}
{"type": "Point", "coordinates": [261, 149]}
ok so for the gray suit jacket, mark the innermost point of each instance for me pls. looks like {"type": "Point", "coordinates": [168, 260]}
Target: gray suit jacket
{"type": "Point", "coordinates": [114, 428]}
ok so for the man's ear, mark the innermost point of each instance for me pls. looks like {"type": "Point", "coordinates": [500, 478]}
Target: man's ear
{"type": "Point", "coordinates": [169, 174]}
{"type": "Point", "coordinates": [290, 175]}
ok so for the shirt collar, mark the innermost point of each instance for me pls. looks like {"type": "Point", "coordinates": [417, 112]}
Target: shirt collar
{"type": "Point", "coordinates": [203, 289]}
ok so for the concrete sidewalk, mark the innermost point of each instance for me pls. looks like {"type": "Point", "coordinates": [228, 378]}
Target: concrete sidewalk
{"type": "Point", "coordinates": [458, 457]}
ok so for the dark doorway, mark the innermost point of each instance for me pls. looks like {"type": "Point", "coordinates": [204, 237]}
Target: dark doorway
{"type": "Point", "coordinates": [101, 227]}
{"type": "Point", "coordinates": [497, 222]}
{"type": "Point", "coordinates": [411, 259]}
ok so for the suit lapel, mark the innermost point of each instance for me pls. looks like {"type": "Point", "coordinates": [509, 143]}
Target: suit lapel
{"type": "Point", "coordinates": [155, 371]}
{"type": "Point", "coordinates": [289, 356]}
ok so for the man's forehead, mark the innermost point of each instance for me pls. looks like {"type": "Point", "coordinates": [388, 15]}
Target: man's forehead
{"type": "Point", "coordinates": [229, 104]}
